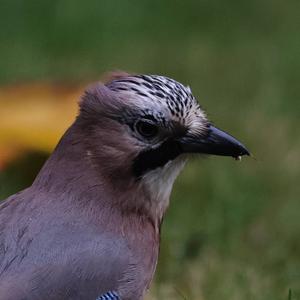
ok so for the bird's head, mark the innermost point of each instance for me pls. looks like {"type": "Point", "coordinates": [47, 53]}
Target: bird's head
{"type": "Point", "coordinates": [144, 126]}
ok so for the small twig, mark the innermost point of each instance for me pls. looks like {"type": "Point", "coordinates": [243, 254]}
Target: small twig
{"type": "Point", "coordinates": [180, 293]}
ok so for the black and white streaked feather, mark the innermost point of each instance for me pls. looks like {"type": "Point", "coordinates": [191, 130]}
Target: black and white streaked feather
{"type": "Point", "coordinates": [152, 93]}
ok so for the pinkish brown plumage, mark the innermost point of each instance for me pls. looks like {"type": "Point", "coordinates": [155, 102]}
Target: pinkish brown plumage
{"type": "Point", "coordinates": [88, 227]}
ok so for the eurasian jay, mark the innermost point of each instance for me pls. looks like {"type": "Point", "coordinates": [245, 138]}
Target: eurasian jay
{"type": "Point", "coordinates": [89, 226]}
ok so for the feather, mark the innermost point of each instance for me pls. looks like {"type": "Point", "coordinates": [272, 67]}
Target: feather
{"type": "Point", "coordinates": [109, 296]}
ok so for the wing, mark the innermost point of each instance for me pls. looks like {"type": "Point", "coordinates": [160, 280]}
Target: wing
{"type": "Point", "coordinates": [80, 273]}
{"type": "Point", "coordinates": [55, 261]}
{"type": "Point", "coordinates": [109, 296]}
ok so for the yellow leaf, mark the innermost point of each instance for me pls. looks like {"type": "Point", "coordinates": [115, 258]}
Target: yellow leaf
{"type": "Point", "coordinates": [34, 116]}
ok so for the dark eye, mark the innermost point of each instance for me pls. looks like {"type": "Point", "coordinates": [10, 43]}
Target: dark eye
{"type": "Point", "coordinates": [146, 129]}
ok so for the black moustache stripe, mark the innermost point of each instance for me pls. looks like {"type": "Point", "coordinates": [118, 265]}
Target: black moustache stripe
{"type": "Point", "coordinates": [154, 158]}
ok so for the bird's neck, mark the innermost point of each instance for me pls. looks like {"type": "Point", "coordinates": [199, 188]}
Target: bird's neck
{"type": "Point", "coordinates": [159, 184]}
{"type": "Point", "coordinates": [73, 178]}
{"type": "Point", "coordinates": [67, 169]}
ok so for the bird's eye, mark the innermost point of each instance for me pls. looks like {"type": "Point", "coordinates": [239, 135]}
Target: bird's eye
{"type": "Point", "coordinates": [146, 129]}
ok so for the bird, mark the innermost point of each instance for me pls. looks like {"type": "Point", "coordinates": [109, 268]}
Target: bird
{"type": "Point", "coordinates": [89, 225]}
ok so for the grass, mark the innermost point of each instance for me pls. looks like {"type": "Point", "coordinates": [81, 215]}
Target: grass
{"type": "Point", "coordinates": [232, 230]}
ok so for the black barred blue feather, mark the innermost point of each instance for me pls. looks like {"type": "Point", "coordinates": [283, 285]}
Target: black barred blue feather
{"type": "Point", "coordinates": [109, 296]}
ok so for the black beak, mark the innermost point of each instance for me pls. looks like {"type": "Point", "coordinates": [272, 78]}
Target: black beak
{"type": "Point", "coordinates": [215, 142]}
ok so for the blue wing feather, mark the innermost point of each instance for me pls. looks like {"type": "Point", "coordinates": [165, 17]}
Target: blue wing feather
{"type": "Point", "coordinates": [109, 296]}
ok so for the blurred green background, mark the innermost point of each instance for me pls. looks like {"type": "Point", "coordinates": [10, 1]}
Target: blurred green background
{"type": "Point", "coordinates": [233, 228]}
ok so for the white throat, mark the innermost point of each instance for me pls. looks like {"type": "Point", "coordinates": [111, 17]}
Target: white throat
{"type": "Point", "coordinates": [159, 184]}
